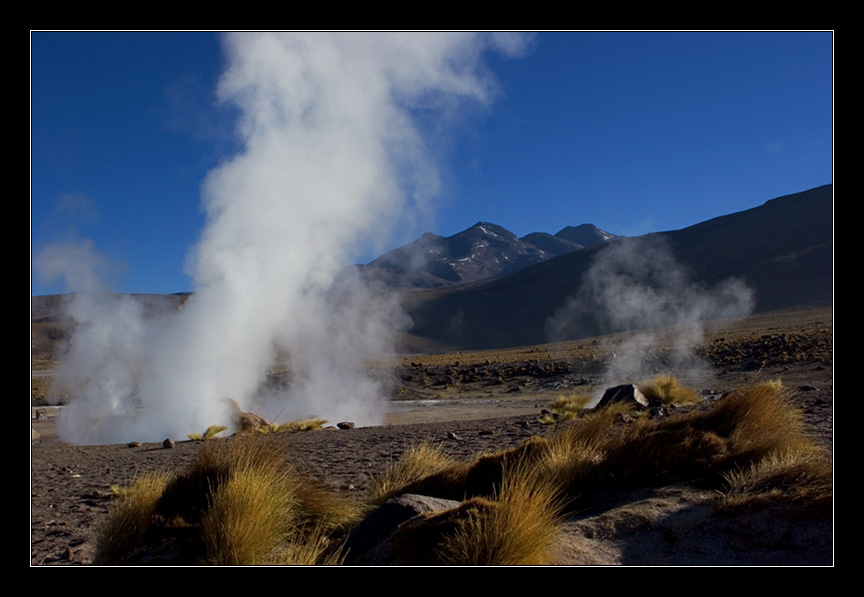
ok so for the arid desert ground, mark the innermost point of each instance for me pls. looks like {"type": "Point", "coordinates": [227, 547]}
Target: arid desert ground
{"type": "Point", "coordinates": [488, 401]}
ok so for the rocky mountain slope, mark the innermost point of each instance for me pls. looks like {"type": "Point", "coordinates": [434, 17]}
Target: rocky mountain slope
{"type": "Point", "coordinates": [481, 252]}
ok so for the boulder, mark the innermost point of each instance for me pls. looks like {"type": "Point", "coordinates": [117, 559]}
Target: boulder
{"type": "Point", "coordinates": [370, 542]}
{"type": "Point", "coordinates": [624, 393]}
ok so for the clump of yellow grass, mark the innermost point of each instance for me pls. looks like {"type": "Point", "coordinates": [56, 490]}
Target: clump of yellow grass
{"type": "Point", "coordinates": [238, 504]}
{"type": "Point", "coordinates": [132, 520]}
{"type": "Point", "coordinates": [666, 389]}
{"type": "Point", "coordinates": [566, 408]}
{"type": "Point", "coordinates": [417, 463]}
{"type": "Point", "coordinates": [515, 526]}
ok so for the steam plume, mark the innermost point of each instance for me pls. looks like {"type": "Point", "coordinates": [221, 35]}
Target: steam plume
{"type": "Point", "coordinates": [334, 130]}
{"type": "Point", "coordinates": [636, 285]}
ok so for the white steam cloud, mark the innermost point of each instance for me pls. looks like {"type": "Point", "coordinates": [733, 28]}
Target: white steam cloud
{"type": "Point", "coordinates": [636, 285]}
{"type": "Point", "coordinates": [334, 130]}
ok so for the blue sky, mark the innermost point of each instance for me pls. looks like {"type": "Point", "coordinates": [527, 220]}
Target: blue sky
{"type": "Point", "coordinates": [634, 132]}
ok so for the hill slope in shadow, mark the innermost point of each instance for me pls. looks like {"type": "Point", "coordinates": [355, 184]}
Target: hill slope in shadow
{"type": "Point", "coordinates": [781, 251]}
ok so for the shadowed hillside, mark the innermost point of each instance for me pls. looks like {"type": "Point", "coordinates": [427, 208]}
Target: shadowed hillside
{"type": "Point", "coordinates": [782, 251]}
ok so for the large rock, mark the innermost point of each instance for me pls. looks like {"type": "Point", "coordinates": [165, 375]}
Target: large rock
{"type": "Point", "coordinates": [370, 543]}
{"type": "Point", "coordinates": [627, 393]}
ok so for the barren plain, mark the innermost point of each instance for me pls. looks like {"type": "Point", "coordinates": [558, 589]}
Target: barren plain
{"type": "Point", "coordinates": [491, 400]}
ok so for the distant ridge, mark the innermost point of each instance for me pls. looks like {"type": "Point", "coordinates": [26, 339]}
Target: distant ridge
{"type": "Point", "coordinates": [485, 288]}
{"type": "Point", "coordinates": [481, 252]}
{"type": "Point", "coordinates": [586, 235]}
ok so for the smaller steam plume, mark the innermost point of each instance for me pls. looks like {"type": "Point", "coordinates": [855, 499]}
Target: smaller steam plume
{"type": "Point", "coordinates": [636, 285]}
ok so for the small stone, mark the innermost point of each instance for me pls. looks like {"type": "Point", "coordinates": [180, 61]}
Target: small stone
{"type": "Point", "coordinates": [168, 443]}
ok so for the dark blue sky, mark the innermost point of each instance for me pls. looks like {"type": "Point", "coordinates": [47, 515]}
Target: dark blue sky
{"type": "Point", "coordinates": [634, 132]}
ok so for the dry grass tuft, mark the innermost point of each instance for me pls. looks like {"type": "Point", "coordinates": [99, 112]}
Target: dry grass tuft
{"type": "Point", "coordinates": [131, 522]}
{"type": "Point", "coordinates": [238, 504]}
{"type": "Point", "coordinates": [666, 389]}
{"type": "Point", "coordinates": [755, 430]}
{"type": "Point", "coordinates": [783, 477]}
{"type": "Point", "coordinates": [209, 433]}
{"type": "Point", "coordinates": [250, 515]}
{"type": "Point", "coordinates": [312, 548]}
{"type": "Point", "coordinates": [305, 425]}
{"type": "Point", "coordinates": [566, 408]}
{"type": "Point", "coordinates": [292, 426]}
{"type": "Point", "coordinates": [759, 421]}
{"type": "Point", "coordinates": [517, 528]}
{"type": "Point", "coordinates": [425, 463]}
{"type": "Point", "coordinates": [517, 525]}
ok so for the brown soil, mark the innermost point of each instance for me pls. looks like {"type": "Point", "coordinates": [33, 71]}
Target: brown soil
{"type": "Point", "coordinates": [488, 401]}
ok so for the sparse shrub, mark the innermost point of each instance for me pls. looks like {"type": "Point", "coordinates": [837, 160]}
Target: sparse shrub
{"type": "Point", "coordinates": [666, 389]}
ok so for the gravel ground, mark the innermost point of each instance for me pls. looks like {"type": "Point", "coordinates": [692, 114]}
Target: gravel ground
{"type": "Point", "coordinates": [70, 485]}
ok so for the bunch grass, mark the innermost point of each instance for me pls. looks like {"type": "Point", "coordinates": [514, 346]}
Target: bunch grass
{"type": "Point", "coordinates": [518, 526]}
{"type": "Point", "coordinates": [566, 408]}
{"type": "Point", "coordinates": [239, 503]}
{"type": "Point", "coordinates": [666, 389]}
{"type": "Point", "coordinates": [419, 463]}
{"type": "Point", "coordinates": [313, 424]}
{"type": "Point", "coordinates": [209, 433]}
{"type": "Point", "coordinates": [131, 522]}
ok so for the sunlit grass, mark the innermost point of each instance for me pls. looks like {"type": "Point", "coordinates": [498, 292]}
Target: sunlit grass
{"type": "Point", "coordinates": [294, 426]}
{"type": "Point", "coordinates": [666, 389]}
{"type": "Point", "coordinates": [417, 463]}
{"type": "Point", "coordinates": [517, 526]}
{"type": "Point", "coordinates": [131, 518]}
{"type": "Point", "coordinates": [240, 503]}
{"type": "Point", "coordinates": [752, 442]}
{"type": "Point", "coordinates": [209, 433]}
{"type": "Point", "coordinates": [566, 408]}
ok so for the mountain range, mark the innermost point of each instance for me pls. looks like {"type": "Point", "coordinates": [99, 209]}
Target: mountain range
{"type": "Point", "coordinates": [486, 288]}
{"type": "Point", "coordinates": [781, 252]}
{"type": "Point", "coordinates": [481, 252]}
